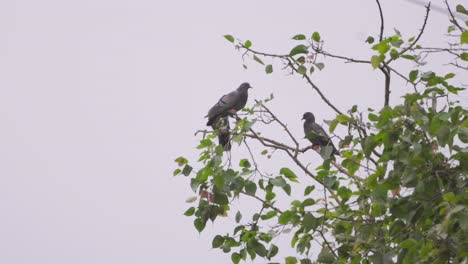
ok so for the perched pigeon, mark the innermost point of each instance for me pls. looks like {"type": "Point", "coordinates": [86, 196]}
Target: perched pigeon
{"type": "Point", "coordinates": [315, 133]}
{"type": "Point", "coordinates": [228, 104]}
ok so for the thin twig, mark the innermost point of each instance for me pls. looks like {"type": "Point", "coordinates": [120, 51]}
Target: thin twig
{"type": "Point", "coordinates": [381, 21]}
{"type": "Point", "coordinates": [290, 64]}
{"type": "Point", "coordinates": [263, 201]}
{"type": "Point", "coordinates": [323, 223]}
{"type": "Point", "coordinates": [281, 124]}
{"type": "Point", "coordinates": [315, 87]}
{"type": "Point", "coordinates": [428, 9]}
{"type": "Point", "coordinates": [454, 21]}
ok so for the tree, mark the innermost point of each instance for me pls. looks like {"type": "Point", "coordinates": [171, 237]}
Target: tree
{"type": "Point", "coordinates": [398, 193]}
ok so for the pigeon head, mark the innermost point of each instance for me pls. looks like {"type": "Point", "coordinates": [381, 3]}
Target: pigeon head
{"type": "Point", "coordinates": [244, 87]}
{"type": "Point", "coordinates": [308, 116]}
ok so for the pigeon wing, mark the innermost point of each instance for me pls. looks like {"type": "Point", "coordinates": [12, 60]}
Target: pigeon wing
{"type": "Point", "coordinates": [222, 107]}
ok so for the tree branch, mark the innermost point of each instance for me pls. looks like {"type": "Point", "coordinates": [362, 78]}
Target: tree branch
{"type": "Point", "coordinates": [263, 201]}
{"type": "Point", "coordinates": [381, 21]}
{"type": "Point", "coordinates": [290, 64]}
{"type": "Point", "coordinates": [428, 9]}
{"type": "Point", "coordinates": [454, 21]}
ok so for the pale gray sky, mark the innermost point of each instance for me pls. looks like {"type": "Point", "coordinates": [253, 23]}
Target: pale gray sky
{"type": "Point", "coordinates": [97, 98]}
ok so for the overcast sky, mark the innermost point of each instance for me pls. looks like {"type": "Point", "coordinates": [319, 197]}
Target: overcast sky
{"type": "Point", "coordinates": [98, 97]}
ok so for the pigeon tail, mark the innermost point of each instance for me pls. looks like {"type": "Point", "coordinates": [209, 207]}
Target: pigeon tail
{"type": "Point", "coordinates": [224, 135]}
{"type": "Point", "coordinates": [224, 140]}
{"type": "Point", "coordinates": [210, 121]}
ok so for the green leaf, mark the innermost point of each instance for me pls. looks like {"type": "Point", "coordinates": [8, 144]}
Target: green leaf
{"type": "Point", "coordinates": [269, 69]}
{"type": "Point", "coordinates": [449, 76]}
{"type": "Point", "coordinates": [369, 145]}
{"type": "Point", "coordinates": [220, 198]}
{"type": "Point", "coordinates": [278, 181]}
{"type": "Point", "coordinates": [176, 172]}
{"type": "Point", "coordinates": [217, 241]}
{"type": "Point", "coordinates": [326, 256]}
{"type": "Point", "coordinates": [310, 222]}
{"type": "Point", "coordinates": [373, 117]}
{"type": "Point", "coordinates": [235, 258]}
{"type": "Point", "coordinates": [463, 134]}
{"type": "Point", "coordinates": [464, 56]}
{"type": "Point", "coordinates": [301, 69]}
{"type": "Point", "coordinates": [259, 248]}
{"type": "Point", "coordinates": [320, 65]}
{"type": "Point", "coordinates": [181, 161]}
{"type": "Point", "coordinates": [199, 224]}
{"type": "Point", "coordinates": [408, 57]}
{"type": "Point", "coordinates": [187, 170]}
{"type": "Point", "coordinates": [308, 202]}
{"type": "Point", "coordinates": [257, 59]}
{"type": "Point", "coordinates": [326, 152]}
{"type": "Point", "coordinates": [190, 211]}
{"type": "Point", "coordinates": [299, 49]}
{"type": "Point", "coordinates": [460, 9]}
{"type": "Point", "coordinates": [238, 216]}
{"type": "Point", "coordinates": [287, 189]}
{"type": "Point", "coordinates": [230, 38]}
{"type": "Point", "coordinates": [316, 36]}
{"type": "Point", "coordinates": [376, 60]}
{"type": "Point", "coordinates": [312, 69]}
{"type": "Point", "coordinates": [333, 125]}
{"type": "Point", "coordinates": [394, 54]}
{"type": "Point", "coordinates": [308, 190]}
{"type": "Point", "coordinates": [443, 135]}
{"type": "Point", "coordinates": [382, 47]}
{"type": "Point", "coordinates": [269, 215]}
{"type": "Point", "coordinates": [250, 187]}
{"type": "Point", "coordinates": [291, 260]}
{"type": "Point", "coordinates": [285, 217]}
{"type": "Point", "coordinates": [244, 163]}
{"type": "Point", "coordinates": [464, 37]}
{"type": "Point", "coordinates": [370, 40]}
{"type": "Point", "coordinates": [218, 181]}
{"type": "Point", "coordinates": [408, 243]}
{"type": "Point", "coordinates": [299, 37]}
{"type": "Point", "coordinates": [272, 251]}
{"type": "Point", "coordinates": [413, 75]}
{"type": "Point", "coordinates": [329, 181]}
{"type": "Point", "coordinates": [205, 143]}
{"type": "Point", "coordinates": [248, 44]}
{"type": "Point", "coordinates": [288, 173]}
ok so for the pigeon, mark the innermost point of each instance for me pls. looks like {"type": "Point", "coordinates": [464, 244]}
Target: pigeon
{"type": "Point", "coordinates": [229, 104]}
{"type": "Point", "coordinates": [315, 133]}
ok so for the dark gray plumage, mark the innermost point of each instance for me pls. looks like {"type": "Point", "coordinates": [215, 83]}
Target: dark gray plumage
{"type": "Point", "coordinates": [227, 105]}
{"type": "Point", "coordinates": [224, 135]}
{"type": "Point", "coordinates": [316, 134]}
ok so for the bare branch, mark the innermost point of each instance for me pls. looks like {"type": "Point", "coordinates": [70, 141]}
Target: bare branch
{"type": "Point", "coordinates": [315, 87]}
{"type": "Point", "coordinates": [290, 64]}
{"type": "Point", "coordinates": [428, 9]}
{"type": "Point", "coordinates": [265, 203]}
{"type": "Point", "coordinates": [386, 73]}
{"type": "Point", "coordinates": [281, 124]}
{"type": "Point", "coordinates": [381, 20]}
{"type": "Point", "coordinates": [453, 20]}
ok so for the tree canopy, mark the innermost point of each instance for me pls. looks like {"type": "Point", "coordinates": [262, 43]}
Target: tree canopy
{"type": "Point", "coordinates": [398, 192]}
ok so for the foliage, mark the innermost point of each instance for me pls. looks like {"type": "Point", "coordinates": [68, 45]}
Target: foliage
{"type": "Point", "coordinates": [397, 194]}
